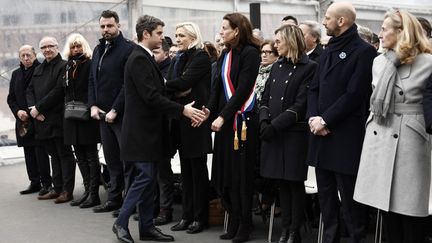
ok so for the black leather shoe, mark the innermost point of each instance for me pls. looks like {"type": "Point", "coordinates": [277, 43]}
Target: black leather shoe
{"type": "Point", "coordinates": [182, 225]}
{"type": "Point", "coordinates": [243, 233]}
{"type": "Point", "coordinates": [80, 200]}
{"type": "Point", "coordinates": [122, 234]}
{"type": "Point", "coordinates": [44, 190]}
{"type": "Point", "coordinates": [155, 234]}
{"type": "Point", "coordinates": [90, 202]}
{"type": "Point", "coordinates": [164, 217]}
{"type": "Point", "coordinates": [195, 227]}
{"type": "Point", "coordinates": [108, 206]}
{"type": "Point", "coordinates": [32, 188]}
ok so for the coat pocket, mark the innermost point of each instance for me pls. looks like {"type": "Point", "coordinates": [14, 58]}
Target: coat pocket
{"type": "Point", "coordinates": [417, 127]}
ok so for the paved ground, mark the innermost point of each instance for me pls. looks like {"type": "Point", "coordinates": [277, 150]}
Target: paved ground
{"type": "Point", "coordinates": [24, 219]}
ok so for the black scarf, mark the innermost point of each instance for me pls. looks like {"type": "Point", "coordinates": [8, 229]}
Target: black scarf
{"type": "Point", "coordinates": [28, 73]}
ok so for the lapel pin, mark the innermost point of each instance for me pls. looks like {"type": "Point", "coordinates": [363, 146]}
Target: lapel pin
{"type": "Point", "coordinates": [342, 55]}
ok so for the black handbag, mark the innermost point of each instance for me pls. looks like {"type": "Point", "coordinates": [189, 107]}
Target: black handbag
{"type": "Point", "coordinates": [75, 110]}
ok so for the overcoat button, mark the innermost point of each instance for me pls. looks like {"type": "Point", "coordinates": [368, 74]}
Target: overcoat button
{"type": "Point", "coordinates": [401, 92]}
{"type": "Point", "coordinates": [375, 132]}
{"type": "Point", "coordinates": [395, 136]}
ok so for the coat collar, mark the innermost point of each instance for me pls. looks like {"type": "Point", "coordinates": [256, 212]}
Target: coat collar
{"type": "Point", "coordinates": [304, 59]}
{"type": "Point", "coordinates": [114, 42]}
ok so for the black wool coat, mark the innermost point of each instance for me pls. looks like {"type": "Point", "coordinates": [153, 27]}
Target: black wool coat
{"type": "Point", "coordinates": [74, 86]}
{"type": "Point", "coordinates": [106, 85]}
{"type": "Point", "coordinates": [284, 106]}
{"type": "Point", "coordinates": [44, 80]}
{"type": "Point", "coordinates": [339, 93]}
{"type": "Point", "coordinates": [195, 69]}
{"type": "Point", "coordinates": [244, 70]}
{"type": "Point", "coordinates": [16, 99]}
{"type": "Point", "coordinates": [145, 131]}
{"type": "Point", "coordinates": [316, 53]}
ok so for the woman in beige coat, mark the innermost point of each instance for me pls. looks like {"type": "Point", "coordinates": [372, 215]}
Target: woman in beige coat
{"type": "Point", "coordinates": [395, 167]}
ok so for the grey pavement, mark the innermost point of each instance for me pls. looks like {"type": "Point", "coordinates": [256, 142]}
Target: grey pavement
{"type": "Point", "coordinates": [24, 219]}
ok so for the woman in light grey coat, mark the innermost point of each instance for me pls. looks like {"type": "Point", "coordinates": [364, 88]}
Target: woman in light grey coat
{"type": "Point", "coordinates": [395, 167]}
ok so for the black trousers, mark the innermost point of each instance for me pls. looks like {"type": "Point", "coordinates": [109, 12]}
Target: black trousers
{"type": "Point", "coordinates": [37, 165]}
{"type": "Point", "coordinates": [195, 188]}
{"type": "Point", "coordinates": [110, 136]}
{"type": "Point", "coordinates": [292, 203]}
{"type": "Point", "coordinates": [404, 229]}
{"type": "Point", "coordinates": [330, 185]}
{"type": "Point", "coordinates": [165, 181]}
{"type": "Point", "coordinates": [88, 163]}
{"type": "Point", "coordinates": [62, 164]}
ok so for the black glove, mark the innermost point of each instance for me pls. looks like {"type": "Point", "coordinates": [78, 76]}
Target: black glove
{"type": "Point", "coordinates": [267, 131]}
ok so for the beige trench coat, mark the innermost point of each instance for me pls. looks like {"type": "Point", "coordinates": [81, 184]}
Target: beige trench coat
{"type": "Point", "coordinates": [395, 165]}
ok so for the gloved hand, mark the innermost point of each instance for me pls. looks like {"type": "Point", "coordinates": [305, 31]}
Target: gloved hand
{"type": "Point", "coordinates": [267, 131]}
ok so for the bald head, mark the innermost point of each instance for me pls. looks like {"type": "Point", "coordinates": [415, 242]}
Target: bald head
{"type": "Point", "coordinates": [340, 16]}
{"type": "Point", "coordinates": [27, 55]}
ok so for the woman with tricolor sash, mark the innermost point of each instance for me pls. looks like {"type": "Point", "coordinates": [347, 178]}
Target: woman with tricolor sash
{"type": "Point", "coordinates": [234, 116]}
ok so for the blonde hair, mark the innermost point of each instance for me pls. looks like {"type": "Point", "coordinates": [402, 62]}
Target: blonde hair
{"type": "Point", "coordinates": [411, 40]}
{"type": "Point", "coordinates": [293, 37]}
{"type": "Point", "coordinates": [74, 39]}
{"type": "Point", "coordinates": [193, 31]}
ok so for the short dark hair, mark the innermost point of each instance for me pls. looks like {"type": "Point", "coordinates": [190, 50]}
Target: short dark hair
{"type": "Point", "coordinates": [110, 14]}
{"type": "Point", "coordinates": [168, 40]}
{"type": "Point", "coordinates": [165, 45]}
{"type": "Point", "coordinates": [288, 17]}
{"type": "Point", "coordinates": [147, 23]}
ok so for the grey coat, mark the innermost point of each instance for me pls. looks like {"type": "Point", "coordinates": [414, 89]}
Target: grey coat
{"type": "Point", "coordinates": [395, 167]}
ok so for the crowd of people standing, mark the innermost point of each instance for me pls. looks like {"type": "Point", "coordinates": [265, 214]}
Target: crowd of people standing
{"type": "Point", "coordinates": [360, 117]}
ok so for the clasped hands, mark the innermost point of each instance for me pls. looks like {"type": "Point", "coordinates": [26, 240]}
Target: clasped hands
{"type": "Point", "coordinates": [316, 127]}
{"type": "Point", "coordinates": [36, 114]}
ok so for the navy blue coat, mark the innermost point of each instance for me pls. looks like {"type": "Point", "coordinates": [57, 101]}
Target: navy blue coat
{"type": "Point", "coordinates": [339, 93]}
{"type": "Point", "coordinates": [106, 86]}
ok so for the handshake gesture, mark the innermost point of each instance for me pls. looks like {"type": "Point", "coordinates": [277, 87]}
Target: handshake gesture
{"type": "Point", "coordinates": [197, 116]}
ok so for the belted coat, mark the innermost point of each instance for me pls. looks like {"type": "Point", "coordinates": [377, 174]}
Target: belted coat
{"type": "Point", "coordinates": [395, 166]}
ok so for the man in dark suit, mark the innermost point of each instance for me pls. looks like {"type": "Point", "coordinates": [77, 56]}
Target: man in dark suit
{"type": "Point", "coordinates": [36, 158]}
{"type": "Point", "coordinates": [145, 139]}
{"type": "Point", "coordinates": [106, 96]}
{"type": "Point", "coordinates": [337, 114]}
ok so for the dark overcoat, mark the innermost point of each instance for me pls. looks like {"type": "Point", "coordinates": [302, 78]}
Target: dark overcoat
{"type": "Point", "coordinates": [244, 70]}
{"type": "Point", "coordinates": [106, 85]}
{"type": "Point", "coordinates": [145, 135]}
{"type": "Point", "coordinates": [339, 94]}
{"type": "Point", "coordinates": [44, 80]}
{"type": "Point", "coordinates": [195, 69]}
{"type": "Point", "coordinates": [316, 53]}
{"type": "Point", "coordinates": [76, 88]}
{"type": "Point", "coordinates": [284, 105]}
{"type": "Point", "coordinates": [16, 99]}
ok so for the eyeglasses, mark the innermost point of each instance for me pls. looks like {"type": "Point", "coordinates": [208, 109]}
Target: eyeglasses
{"type": "Point", "coordinates": [47, 47]}
{"type": "Point", "coordinates": [267, 52]}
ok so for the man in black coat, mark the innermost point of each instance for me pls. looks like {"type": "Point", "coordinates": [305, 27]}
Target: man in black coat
{"type": "Point", "coordinates": [337, 115]}
{"type": "Point", "coordinates": [48, 114]}
{"type": "Point", "coordinates": [106, 96]}
{"type": "Point", "coordinates": [36, 158]}
{"type": "Point", "coordinates": [312, 35]}
{"type": "Point", "coordinates": [145, 130]}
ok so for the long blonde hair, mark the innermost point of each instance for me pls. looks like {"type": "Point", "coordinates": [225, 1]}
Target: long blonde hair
{"type": "Point", "coordinates": [74, 39]}
{"type": "Point", "coordinates": [411, 40]}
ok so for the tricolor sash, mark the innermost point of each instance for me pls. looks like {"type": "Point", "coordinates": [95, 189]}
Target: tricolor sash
{"type": "Point", "coordinates": [229, 91]}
